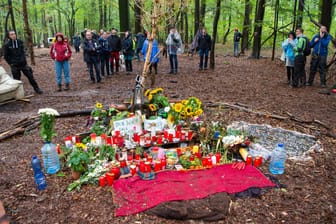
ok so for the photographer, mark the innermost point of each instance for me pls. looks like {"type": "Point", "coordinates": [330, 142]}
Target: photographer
{"type": "Point", "coordinates": [319, 43]}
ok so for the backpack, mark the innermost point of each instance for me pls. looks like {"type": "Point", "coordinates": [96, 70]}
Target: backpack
{"type": "Point", "coordinates": [306, 49]}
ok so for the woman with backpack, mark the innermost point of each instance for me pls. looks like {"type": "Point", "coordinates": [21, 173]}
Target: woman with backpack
{"type": "Point", "coordinates": [61, 52]}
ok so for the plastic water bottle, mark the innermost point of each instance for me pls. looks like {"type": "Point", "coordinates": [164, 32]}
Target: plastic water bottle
{"type": "Point", "coordinates": [39, 177]}
{"type": "Point", "coordinates": [50, 158]}
{"type": "Point", "coordinates": [278, 158]}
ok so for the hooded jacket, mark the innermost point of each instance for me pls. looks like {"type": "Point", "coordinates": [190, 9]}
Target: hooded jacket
{"type": "Point", "coordinates": [14, 53]}
{"type": "Point", "coordinates": [60, 50]}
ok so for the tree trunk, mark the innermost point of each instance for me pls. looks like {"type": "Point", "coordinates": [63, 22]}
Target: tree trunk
{"type": "Point", "coordinates": [299, 18]}
{"type": "Point", "coordinates": [44, 24]}
{"type": "Point", "coordinates": [37, 36]}
{"type": "Point", "coordinates": [276, 22]}
{"type": "Point", "coordinates": [202, 13]}
{"type": "Point", "coordinates": [105, 16]}
{"type": "Point", "coordinates": [186, 36]}
{"type": "Point", "coordinates": [28, 31]}
{"type": "Point", "coordinates": [101, 16]}
{"type": "Point", "coordinates": [59, 18]}
{"type": "Point", "coordinates": [196, 17]}
{"type": "Point", "coordinates": [124, 15]}
{"type": "Point", "coordinates": [214, 35]}
{"type": "Point", "coordinates": [137, 16]}
{"type": "Point", "coordinates": [11, 13]}
{"type": "Point", "coordinates": [226, 34]}
{"type": "Point", "coordinates": [258, 21]}
{"type": "Point", "coordinates": [326, 13]}
{"type": "Point", "coordinates": [246, 27]}
{"type": "Point", "coordinates": [294, 14]}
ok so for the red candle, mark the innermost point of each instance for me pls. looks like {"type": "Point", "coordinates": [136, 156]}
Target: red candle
{"type": "Point", "coordinates": [109, 178]}
{"type": "Point", "coordinates": [123, 163]}
{"type": "Point", "coordinates": [209, 161]}
{"type": "Point", "coordinates": [137, 156]}
{"type": "Point", "coordinates": [133, 169]}
{"type": "Point", "coordinates": [102, 180]}
{"type": "Point", "coordinates": [116, 171]}
{"type": "Point", "coordinates": [191, 158]}
{"type": "Point", "coordinates": [78, 139]}
{"type": "Point", "coordinates": [142, 167]}
{"type": "Point", "coordinates": [163, 163]}
{"type": "Point", "coordinates": [178, 134]}
{"type": "Point", "coordinates": [165, 134]}
{"type": "Point", "coordinates": [103, 138]}
{"type": "Point", "coordinates": [170, 137]}
{"type": "Point", "coordinates": [257, 161]}
{"type": "Point", "coordinates": [149, 159]}
{"type": "Point", "coordinates": [154, 138]}
{"type": "Point", "coordinates": [190, 134]}
{"type": "Point", "coordinates": [249, 160]}
{"type": "Point", "coordinates": [148, 167]}
{"type": "Point", "coordinates": [159, 140]}
{"type": "Point", "coordinates": [179, 152]}
{"type": "Point", "coordinates": [178, 128]}
{"type": "Point", "coordinates": [204, 161]}
{"type": "Point", "coordinates": [130, 156]}
{"type": "Point", "coordinates": [157, 166]}
{"type": "Point", "coordinates": [183, 136]}
{"type": "Point", "coordinates": [117, 133]}
{"type": "Point", "coordinates": [109, 140]}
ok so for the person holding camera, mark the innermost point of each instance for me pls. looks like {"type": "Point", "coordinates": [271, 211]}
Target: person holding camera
{"type": "Point", "coordinates": [173, 42]}
{"type": "Point", "coordinates": [319, 43]}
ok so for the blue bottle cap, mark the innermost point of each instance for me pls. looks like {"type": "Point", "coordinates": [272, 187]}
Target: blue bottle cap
{"type": "Point", "coordinates": [280, 144]}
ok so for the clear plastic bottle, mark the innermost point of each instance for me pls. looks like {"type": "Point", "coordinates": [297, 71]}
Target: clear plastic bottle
{"type": "Point", "coordinates": [39, 177]}
{"type": "Point", "coordinates": [278, 158]}
{"type": "Point", "coordinates": [50, 158]}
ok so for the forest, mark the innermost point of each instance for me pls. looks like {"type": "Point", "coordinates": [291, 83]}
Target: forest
{"type": "Point", "coordinates": [263, 23]}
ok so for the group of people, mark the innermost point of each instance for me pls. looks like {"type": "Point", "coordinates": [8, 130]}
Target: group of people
{"type": "Point", "coordinates": [296, 49]}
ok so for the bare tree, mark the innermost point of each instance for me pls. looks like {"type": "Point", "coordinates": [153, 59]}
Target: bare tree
{"type": "Point", "coordinates": [258, 21]}
{"type": "Point", "coordinates": [28, 32]}
{"type": "Point", "coordinates": [214, 34]}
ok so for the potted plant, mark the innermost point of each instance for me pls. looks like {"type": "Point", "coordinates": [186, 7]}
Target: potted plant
{"type": "Point", "coordinates": [78, 161]}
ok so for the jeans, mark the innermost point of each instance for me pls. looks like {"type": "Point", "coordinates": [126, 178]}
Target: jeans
{"type": "Point", "coordinates": [105, 63]}
{"type": "Point", "coordinates": [114, 60]}
{"type": "Point", "coordinates": [90, 66]}
{"type": "Point", "coordinates": [236, 49]}
{"type": "Point", "coordinates": [319, 62]}
{"type": "Point", "coordinates": [65, 66]}
{"type": "Point", "coordinates": [173, 63]}
{"type": "Point", "coordinates": [203, 53]}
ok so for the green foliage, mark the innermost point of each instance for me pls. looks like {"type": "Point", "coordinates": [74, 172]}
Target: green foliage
{"type": "Point", "coordinates": [78, 160]}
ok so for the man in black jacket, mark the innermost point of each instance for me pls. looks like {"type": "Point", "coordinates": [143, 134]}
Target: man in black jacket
{"type": "Point", "coordinates": [15, 56]}
{"type": "Point", "coordinates": [115, 44]}
{"type": "Point", "coordinates": [204, 46]}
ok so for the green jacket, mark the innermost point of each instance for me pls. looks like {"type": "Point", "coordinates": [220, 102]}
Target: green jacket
{"type": "Point", "coordinates": [300, 45]}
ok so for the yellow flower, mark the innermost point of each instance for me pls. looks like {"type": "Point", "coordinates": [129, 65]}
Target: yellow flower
{"type": "Point", "coordinates": [188, 110]}
{"type": "Point", "coordinates": [152, 107]}
{"type": "Point", "coordinates": [147, 92]}
{"type": "Point", "coordinates": [150, 97]}
{"type": "Point", "coordinates": [99, 105]}
{"type": "Point", "coordinates": [178, 107]}
{"type": "Point", "coordinates": [183, 114]}
{"type": "Point", "coordinates": [159, 90]}
{"type": "Point", "coordinates": [171, 119]}
{"type": "Point", "coordinates": [184, 102]}
{"type": "Point", "coordinates": [80, 145]}
{"type": "Point", "coordinates": [198, 112]}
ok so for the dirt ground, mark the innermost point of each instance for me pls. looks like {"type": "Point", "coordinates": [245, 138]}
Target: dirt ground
{"type": "Point", "coordinates": [310, 196]}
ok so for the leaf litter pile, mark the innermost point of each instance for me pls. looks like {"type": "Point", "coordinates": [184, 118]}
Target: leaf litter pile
{"type": "Point", "coordinates": [256, 86]}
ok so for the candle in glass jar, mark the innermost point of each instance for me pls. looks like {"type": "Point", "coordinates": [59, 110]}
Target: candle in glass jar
{"type": "Point", "coordinates": [157, 166]}
{"type": "Point", "coordinates": [170, 137]}
{"type": "Point", "coordinates": [109, 178]}
{"type": "Point", "coordinates": [165, 134]}
{"type": "Point", "coordinates": [183, 136]}
{"type": "Point", "coordinates": [148, 167]}
{"type": "Point", "coordinates": [142, 167]}
{"type": "Point", "coordinates": [133, 169]}
{"type": "Point", "coordinates": [102, 180]}
{"type": "Point", "coordinates": [93, 138]}
{"type": "Point", "coordinates": [159, 140]}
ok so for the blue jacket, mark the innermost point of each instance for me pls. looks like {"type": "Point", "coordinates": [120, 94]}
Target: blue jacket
{"type": "Point", "coordinates": [288, 47]}
{"type": "Point", "coordinates": [321, 46]}
{"type": "Point", "coordinates": [155, 50]}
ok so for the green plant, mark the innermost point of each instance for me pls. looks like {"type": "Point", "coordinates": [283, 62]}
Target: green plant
{"type": "Point", "coordinates": [78, 160]}
{"type": "Point", "coordinates": [47, 123]}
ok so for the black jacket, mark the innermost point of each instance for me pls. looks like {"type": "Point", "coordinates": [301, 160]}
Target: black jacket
{"type": "Point", "coordinates": [14, 53]}
{"type": "Point", "coordinates": [114, 42]}
{"type": "Point", "coordinates": [91, 50]}
{"type": "Point", "coordinates": [204, 42]}
{"type": "Point", "coordinates": [127, 45]}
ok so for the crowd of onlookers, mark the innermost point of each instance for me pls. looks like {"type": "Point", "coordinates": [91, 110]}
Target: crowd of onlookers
{"type": "Point", "coordinates": [296, 49]}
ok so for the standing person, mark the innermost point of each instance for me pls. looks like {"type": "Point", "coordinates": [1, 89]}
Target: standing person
{"type": "Point", "coordinates": [91, 56]}
{"type": "Point", "coordinates": [173, 42]}
{"type": "Point", "coordinates": [236, 40]}
{"type": "Point", "coordinates": [61, 52]}
{"type": "Point", "coordinates": [76, 42]}
{"type": "Point", "coordinates": [105, 53]}
{"type": "Point", "coordinates": [140, 39]}
{"type": "Point", "coordinates": [204, 46]}
{"type": "Point", "coordinates": [115, 44]}
{"type": "Point", "coordinates": [319, 43]}
{"type": "Point", "coordinates": [15, 56]}
{"type": "Point", "coordinates": [154, 57]}
{"type": "Point", "coordinates": [127, 48]}
{"type": "Point", "coordinates": [300, 59]}
{"type": "Point", "coordinates": [288, 47]}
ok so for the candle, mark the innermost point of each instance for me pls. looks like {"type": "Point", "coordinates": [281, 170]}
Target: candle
{"type": "Point", "coordinates": [148, 167]}
{"type": "Point", "coordinates": [209, 161]}
{"type": "Point", "coordinates": [109, 178]}
{"type": "Point", "coordinates": [123, 163]}
{"type": "Point", "coordinates": [159, 140]}
{"type": "Point", "coordinates": [257, 161]}
{"type": "Point", "coordinates": [190, 135]}
{"type": "Point", "coordinates": [218, 157]}
{"type": "Point", "coordinates": [204, 161]}
{"type": "Point", "coordinates": [109, 140]}
{"type": "Point", "coordinates": [170, 137]}
{"type": "Point", "coordinates": [165, 134]}
{"type": "Point", "coordinates": [163, 163]}
{"type": "Point", "coordinates": [102, 180]}
{"type": "Point", "coordinates": [178, 127]}
{"type": "Point", "coordinates": [117, 133]}
{"type": "Point", "coordinates": [142, 167]}
{"type": "Point", "coordinates": [133, 169]}
{"type": "Point", "coordinates": [183, 136]}
{"type": "Point", "coordinates": [78, 139]}
{"type": "Point", "coordinates": [157, 166]}
{"type": "Point", "coordinates": [93, 138]}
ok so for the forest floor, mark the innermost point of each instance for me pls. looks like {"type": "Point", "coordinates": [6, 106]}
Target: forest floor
{"type": "Point", "coordinates": [310, 195]}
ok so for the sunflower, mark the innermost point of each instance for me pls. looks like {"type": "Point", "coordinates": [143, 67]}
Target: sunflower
{"type": "Point", "coordinates": [198, 112]}
{"type": "Point", "coordinates": [147, 92]}
{"type": "Point", "coordinates": [183, 114]}
{"type": "Point", "coordinates": [171, 119]}
{"type": "Point", "coordinates": [99, 105]}
{"type": "Point", "coordinates": [178, 107]}
{"type": "Point", "coordinates": [188, 110]}
{"type": "Point", "coordinates": [152, 107]}
{"type": "Point", "coordinates": [150, 97]}
{"type": "Point", "coordinates": [184, 102]}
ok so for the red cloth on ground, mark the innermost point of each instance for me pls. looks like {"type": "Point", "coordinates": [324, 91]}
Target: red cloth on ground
{"type": "Point", "coordinates": [134, 195]}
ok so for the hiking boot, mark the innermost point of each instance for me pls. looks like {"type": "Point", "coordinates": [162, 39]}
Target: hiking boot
{"type": "Point", "coordinates": [59, 88]}
{"type": "Point", "coordinates": [67, 87]}
{"type": "Point", "coordinates": [324, 86]}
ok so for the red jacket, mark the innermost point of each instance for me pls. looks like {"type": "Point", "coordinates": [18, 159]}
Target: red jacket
{"type": "Point", "coordinates": [60, 50]}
